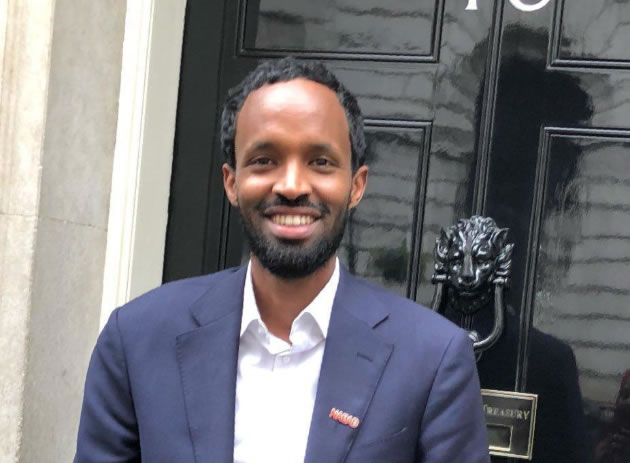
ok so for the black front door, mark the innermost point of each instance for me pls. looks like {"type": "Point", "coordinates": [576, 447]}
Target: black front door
{"type": "Point", "coordinates": [515, 109]}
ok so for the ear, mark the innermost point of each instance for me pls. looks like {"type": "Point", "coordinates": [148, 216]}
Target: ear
{"type": "Point", "coordinates": [500, 237]}
{"type": "Point", "coordinates": [359, 182]}
{"type": "Point", "coordinates": [229, 183]}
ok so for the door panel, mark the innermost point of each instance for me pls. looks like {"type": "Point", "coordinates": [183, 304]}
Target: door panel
{"type": "Point", "coordinates": [369, 30]}
{"type": "Point", "coordinates": [582, 272]}
{"type": "Point", "coordinates": [580, 292]}
{"type": "Point", "coordinates": [380, 242]}
{"type": "Point", "coordinates": [521, 116]}
{"type": "Point", "coordinates": [593, 31]}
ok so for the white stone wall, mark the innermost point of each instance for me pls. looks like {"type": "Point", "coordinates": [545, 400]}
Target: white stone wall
{"type": "Point", "coordinates": [23, 84]}
{"type": "Point", "coordinates": [59, 87]}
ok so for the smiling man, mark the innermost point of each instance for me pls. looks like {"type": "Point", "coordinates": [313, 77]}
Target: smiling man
{"type": "Point", "coordinates": [289, 358]}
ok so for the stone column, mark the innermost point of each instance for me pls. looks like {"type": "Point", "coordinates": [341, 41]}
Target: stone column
{"type": "Point", "coordinates": [59, 83]}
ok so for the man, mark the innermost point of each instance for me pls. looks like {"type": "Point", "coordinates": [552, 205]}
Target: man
{"type": "Point", "coordinates": [289, 359]}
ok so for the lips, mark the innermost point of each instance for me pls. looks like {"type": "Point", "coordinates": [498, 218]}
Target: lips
{"type": "Point", "coordinates": [292, 220]}
{"type": "Point", "coordinates": [292, 223]}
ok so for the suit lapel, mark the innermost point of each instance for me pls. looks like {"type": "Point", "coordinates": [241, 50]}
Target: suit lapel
{"type": "Point", "coordinates": [207, 358]}
{"type": "Point", "coordinates": [354, 360]}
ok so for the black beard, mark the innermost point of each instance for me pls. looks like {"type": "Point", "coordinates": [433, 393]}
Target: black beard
{"type": "Point", "coordinates": [286, 258]}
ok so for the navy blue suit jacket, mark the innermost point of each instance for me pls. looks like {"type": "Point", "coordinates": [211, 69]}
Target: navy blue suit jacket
{"type": "Point", "coordinates": [162, 378]}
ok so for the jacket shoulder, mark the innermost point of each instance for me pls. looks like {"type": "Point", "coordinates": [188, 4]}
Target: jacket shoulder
{"type": "Point", "coordinates": [422, 340]}
{"type": "Point", "coordinates": [403, 310]}
{"type": "Point", "coordinates": [171, 300]}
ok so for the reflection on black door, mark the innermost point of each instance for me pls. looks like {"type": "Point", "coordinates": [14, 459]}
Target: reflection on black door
{"type": "Point", "coordinates": [521, 116]}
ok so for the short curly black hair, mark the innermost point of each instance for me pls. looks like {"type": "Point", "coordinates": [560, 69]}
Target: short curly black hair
{"type": "Point", "coordinates": [285, 69]}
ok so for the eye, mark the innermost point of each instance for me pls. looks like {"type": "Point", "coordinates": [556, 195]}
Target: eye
{"type": "Point", "coordinates": [260, 161]}
{"type": "Point", "coordinates": [483, 258]}
{"type": "Point", "coordinates": [321, 162]}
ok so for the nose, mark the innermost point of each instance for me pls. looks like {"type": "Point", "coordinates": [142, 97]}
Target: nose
{"type": "Point", "coordinates": [468, 273]}
{"type": "Point", "coordinates": [293, 181]}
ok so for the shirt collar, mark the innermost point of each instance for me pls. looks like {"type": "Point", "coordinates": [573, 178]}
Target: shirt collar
{"type": "Point", "coordinates": [320, 308]}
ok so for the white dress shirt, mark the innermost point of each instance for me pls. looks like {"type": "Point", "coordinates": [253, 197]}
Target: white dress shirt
{"type": "Point", "coordinates": [276, 382]}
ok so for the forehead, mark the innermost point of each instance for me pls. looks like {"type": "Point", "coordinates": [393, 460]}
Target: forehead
{"type": "Point", "coordinates": [297, 108]}
{"type": "Point", "coordinates": [299, 92]}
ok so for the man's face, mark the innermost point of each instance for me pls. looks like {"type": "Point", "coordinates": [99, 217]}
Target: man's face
{"type": "Point", "coordinates": [293, 180]}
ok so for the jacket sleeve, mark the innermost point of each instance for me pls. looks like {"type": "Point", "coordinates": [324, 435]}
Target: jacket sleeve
{"type": "Point", "coordinates": [108, 430]}
{"type": "Point", "coordinates": [453, 428]}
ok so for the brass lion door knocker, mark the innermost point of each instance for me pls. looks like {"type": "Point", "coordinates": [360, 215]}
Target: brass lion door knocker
{"type": "Point", "coordinates": [473, 262]}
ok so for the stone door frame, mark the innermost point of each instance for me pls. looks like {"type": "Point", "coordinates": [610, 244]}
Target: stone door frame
{"type": "Point", "coordinates": [143, 155]}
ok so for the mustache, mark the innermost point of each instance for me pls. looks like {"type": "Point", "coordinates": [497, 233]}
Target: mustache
{"type": "Point", "coordinates": [300, 201]}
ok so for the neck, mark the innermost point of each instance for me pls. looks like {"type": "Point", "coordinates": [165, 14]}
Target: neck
{"type": "Point", "coordinates": [280, 300]}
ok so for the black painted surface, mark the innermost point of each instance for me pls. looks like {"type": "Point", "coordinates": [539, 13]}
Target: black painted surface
{"type": "Point", "coordinates": [196, 198]}
{"type": "Point", "coordinates": [521, 116]}
{"type": "Point", "coordinates": [336, 27]}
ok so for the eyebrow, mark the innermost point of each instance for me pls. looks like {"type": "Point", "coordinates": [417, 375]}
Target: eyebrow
{"type": "Point", "coordinates": [260, 146]}
{"type": "Point", "coordinates": [324, 147]}
{"type": "Point", "coordinates": [267, 145]}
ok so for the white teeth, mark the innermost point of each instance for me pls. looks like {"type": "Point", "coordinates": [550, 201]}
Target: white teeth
{"type": "Point", "coordinates": [292, 220]}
